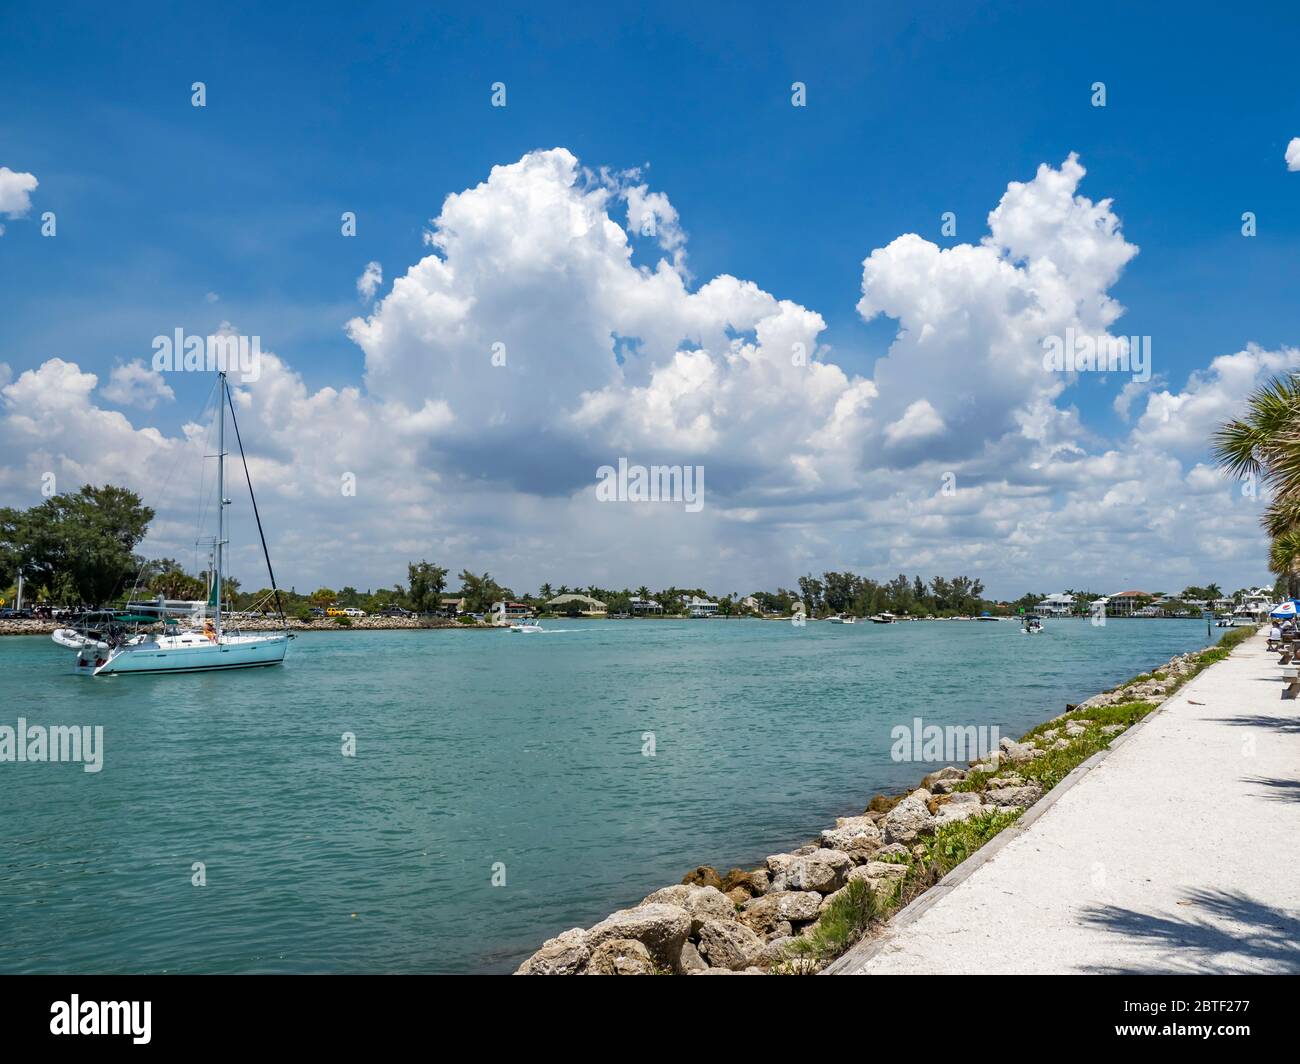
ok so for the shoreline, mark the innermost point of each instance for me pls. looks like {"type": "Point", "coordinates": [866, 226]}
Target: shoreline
{"type": "Point", "coordinates": [801, 911]}
{"type": "Point", "coordinates": [400, 624]}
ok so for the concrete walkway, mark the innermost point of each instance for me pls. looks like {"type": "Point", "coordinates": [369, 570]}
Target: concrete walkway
{"type": "Point", "coordinates": [1177, 851]}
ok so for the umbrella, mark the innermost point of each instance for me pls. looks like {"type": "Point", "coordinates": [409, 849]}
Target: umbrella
{"type": "Point", "coordinates": [1286, 609]}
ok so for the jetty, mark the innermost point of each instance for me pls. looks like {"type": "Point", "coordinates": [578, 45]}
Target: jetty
{"type": "Point", "coordinates": [1173, 851]}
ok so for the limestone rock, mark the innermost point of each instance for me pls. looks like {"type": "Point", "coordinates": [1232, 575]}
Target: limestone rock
{"type": "Point", "coordinates": [909, 818]}
{"type": "Point", "coordinates": [964, 798]}
{"type": "Point", "coordinates": [620, 956]}
{"type": "Point", "coordinates": [1017, 752]}
{"type": "Point", "coordinates": [892, 852]}
{"type": "Point", "coordinates": [948, 773]}
{"type": "Point", "coordinates": [881, 804]}
{"type": "Point", "coordinates": [821, 870]}
{"type": "Point", "coordinates": [878, 873]}
{"type": "Point", "coordinates": [781, 929]}
{"type": "Point", "coordinates": [854, 835]}
{"type": "Point", "coordinates": [1006, 797]}
{"type": "Point", "coordinates": [704, 876]}
{"type": "Point", "coordinates": [703, 903]}
{"type": "Point", "coordinates": [691, 960]}
{"type": "Point", "coordinates": [774, 951]}
{"type": "Point", "coordinates": [794, 906]}
{"type": "Point", "coordinates": [954, 814]}
{"type": "Point", "coordinates": [729, 944]}
{"type": "Point", "coordinates": [662, 929]}
{"type": "Point", "coordinates": [563, 955]}
{"type": "Point", "coordinates": [738, 877]}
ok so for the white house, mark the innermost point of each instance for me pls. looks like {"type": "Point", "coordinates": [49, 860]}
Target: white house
{"type": "Point", "coordinates": [1059, 605]}
{"type": "Point", "coordinates": [698, 607]}
{"type": "Point", "coordinates": [645, 606]}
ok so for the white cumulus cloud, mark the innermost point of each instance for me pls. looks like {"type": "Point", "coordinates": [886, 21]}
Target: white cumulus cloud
{"type": "Point", "coordinates": [135, 384]}
{"type": "Point", "coordinates": [370, 280]}
{"type": "Point", "coordinates": [528, 348]}
{"type": "Point", "coordinates": [16, 192]}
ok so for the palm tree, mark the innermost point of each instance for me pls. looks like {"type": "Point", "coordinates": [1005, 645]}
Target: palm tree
{"type": "Point", "coordinates": [643, 592]}
{"type": "Point", "coordinates": [1264, 446]}
{"type": "Point", "coordinates": [1284, 554]}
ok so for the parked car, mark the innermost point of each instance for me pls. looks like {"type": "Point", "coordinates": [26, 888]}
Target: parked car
{"type": "Point", "coordinates": [318, 611]}
{"type": "Point", "coordinates": [352, 611]}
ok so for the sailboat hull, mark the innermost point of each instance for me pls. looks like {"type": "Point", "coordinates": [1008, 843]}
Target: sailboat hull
{"type": "Point", "coordinates": [180, 654]}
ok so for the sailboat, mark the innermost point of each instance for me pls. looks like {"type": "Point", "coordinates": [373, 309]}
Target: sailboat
{"type": "Point", "coordinates": [111, 642]}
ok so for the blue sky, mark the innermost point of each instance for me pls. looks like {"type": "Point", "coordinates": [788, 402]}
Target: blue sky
{"type": "Point", "coordinates": [911, 112]}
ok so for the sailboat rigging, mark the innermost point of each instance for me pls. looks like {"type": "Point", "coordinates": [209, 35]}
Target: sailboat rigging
{"type": "Point", "coordinates": [148, 638]}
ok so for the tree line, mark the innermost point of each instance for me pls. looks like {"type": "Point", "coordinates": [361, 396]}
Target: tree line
{"type": "Point", "coordinates": [79, 548]}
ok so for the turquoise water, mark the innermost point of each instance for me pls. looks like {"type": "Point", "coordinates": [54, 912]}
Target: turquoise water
{"type": "Point", "coordinates": [472, 749]}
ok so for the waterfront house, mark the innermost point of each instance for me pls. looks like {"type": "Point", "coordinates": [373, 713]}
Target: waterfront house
{"type": "Point", "coordinates": [577, 605]}
{"type": "Point", "coordinates": [698, 607]}
{"type": "Point", "coordinates": [513, 611]}
{"type": "Point", "coordinates": [453, 606]}
{"type": "Point", "coordinates": [1125, 603]}
{"type": "Point", "coordinates": [645, 607]}
{"type": "Point", "coordinates": [1059, 605]}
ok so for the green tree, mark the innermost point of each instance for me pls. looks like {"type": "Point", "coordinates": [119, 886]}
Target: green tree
{"type": "Point", "coordinates": [427, 583]}
{"type": "Point", "coordinates": [1262, 448]}
{"type": "Point", "coordinates": [171, 581]}
{"type": "Point", "coordinates": [480, 592]}
{"type": "Point", "coordinates": [77, 547]}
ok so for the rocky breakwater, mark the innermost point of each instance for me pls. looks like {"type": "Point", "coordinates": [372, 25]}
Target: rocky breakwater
{"type": "Point", "coordinates": [754, 922]}
{"type": "Point", "coordinates": [25, 627]}
{"type": "Point", "coordinates": [746, 922]}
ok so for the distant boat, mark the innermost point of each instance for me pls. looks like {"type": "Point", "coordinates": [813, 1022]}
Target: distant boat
{"type": "Point", "coordinates": [1033, 625]}
{"type": "Point", "coordinates": [883, 618]}
{"type": "Point", "coordinates": [986, 616]}
{"type": "Point", "coordinates": [527, 626]}
{"type": "Point", "coordinates": [842, 618]}
{"type": "Point", "coordinates": [112, 641]}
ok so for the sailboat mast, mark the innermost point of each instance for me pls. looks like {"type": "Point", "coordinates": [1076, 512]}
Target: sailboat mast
{"type": "Point", "coordinates": [221, 494]}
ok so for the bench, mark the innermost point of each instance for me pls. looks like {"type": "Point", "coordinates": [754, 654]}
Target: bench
{"type": "Point", "coordinates": [1291, 677]}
